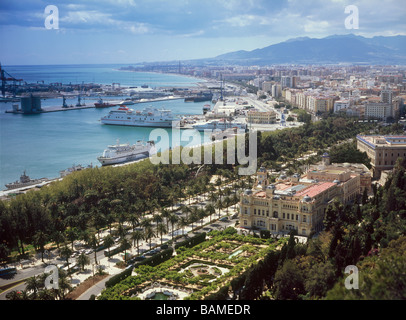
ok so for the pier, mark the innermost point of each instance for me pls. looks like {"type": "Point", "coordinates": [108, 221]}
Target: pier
{"type": "Point", "coordinates": [68, 108]}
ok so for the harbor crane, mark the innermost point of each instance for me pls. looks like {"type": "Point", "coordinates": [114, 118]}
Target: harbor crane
{"type": "Point", "coordinates": [6, 77]}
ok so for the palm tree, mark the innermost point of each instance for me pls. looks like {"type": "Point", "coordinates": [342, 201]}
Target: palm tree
{"type": "Point", "coordinates": [186, 210]}
{"type": "Point", "coordinates": [72, 234]}
{"type": "Point", "coordinates": [40, 238]}
{"type": "Point", "coordinates": [46, 294]}
{"type": "Point", "coordinates": [134, 217]}
{"type": "Point", "coordinates": [125, 243]}
{"type": "Point", "coordinates": [161, 229]}
{"type": "Point", "coordinates": [136, 236]}
{"type": "Point", "coordinates": [157, 218]}
{"type": "Point", "coordinates": [58, 238]}
{"type": "Point", "coordinates": [93, 243]}
{"type": "Point", "coordinates": [173, 219]}
{"type": "Point", "coordinates": [219, 205]}
{"type": "Point", "coordinates": [63, 284]}
{"type": "Point", "coordinates": [210, 210]}
{"type": "Point", "coordinates": [149, 234]}
{"type": "Point", "coordinates": [65, 252]}
{"type": "Point", "coordinates": [183, 222]}
{"type": "Point", "coordinates": [165, 215]}
{"type": "Point", "coordinates": [201, 214]}
{"type": "Point", "coordinates": [145, 223]}
{"type": "Point", "coordinates": [33, 284]}
{"type": "Point", "coordinates": [235, 200]}
{"type": "Point", "coordinates": [227, 203]}
{"type": "Point", "coordinates": [98, 220]}
{"type": "Point", "coordinates": [83, 260]}
{"type": "Point", "coordinates": [193, 216]}
{"type": "Point", "coordinates": [108, 241]}
{"type": "Point", "coordinates": [213, 197]}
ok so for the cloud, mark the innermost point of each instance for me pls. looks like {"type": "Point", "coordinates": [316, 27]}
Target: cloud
{"type": "Point", "coordinates": [191, 27]}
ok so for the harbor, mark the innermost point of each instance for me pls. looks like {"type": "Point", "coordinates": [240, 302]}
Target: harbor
{"type": "Point", "coordinates": [40, 130]}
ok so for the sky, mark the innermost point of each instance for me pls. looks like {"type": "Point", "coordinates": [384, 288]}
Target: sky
{"type": "Point", "coordinates": [136, 31]}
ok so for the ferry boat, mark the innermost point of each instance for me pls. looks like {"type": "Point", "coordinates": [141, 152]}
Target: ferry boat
{"type": "Point", "coordinates": [121, 153]}
{"type": "Point", "coordinates": [219, 124]}
{"type": "Point", "coordinates": [149, 117]}
{"type": "Point", "coordinates": [101, 104]}
{"type": "Point", "coordinates": [25, 181]}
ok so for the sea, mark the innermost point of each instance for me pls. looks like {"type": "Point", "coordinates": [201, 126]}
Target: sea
{"type": "Point", "coordinates": [44, 144]}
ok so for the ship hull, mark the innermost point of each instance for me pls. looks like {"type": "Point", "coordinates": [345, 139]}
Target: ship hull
{"type": "Point", "coordinates": [104, 105]}
{"type": "Point", "coordinates": [11, 186]}
{"type": "Point", "coordinates": [130, 123]}
{"type": "Point", "coordinates": [123, 159]}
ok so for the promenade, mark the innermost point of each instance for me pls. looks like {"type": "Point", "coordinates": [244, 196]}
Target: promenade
{"type": "Point", "coordinates": [36, 266]}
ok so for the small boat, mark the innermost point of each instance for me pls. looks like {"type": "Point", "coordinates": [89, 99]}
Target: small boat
{"type": "Point", "coordinates": [101, 104]}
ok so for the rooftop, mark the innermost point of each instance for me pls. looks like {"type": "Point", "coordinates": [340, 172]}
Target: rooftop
{"type": "Point", "coordinates": [315, 189]}
{"type": "Point", "coordinates": [375, 140]}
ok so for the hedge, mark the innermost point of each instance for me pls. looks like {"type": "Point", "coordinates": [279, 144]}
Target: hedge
{"type": "Point", "coordinates": [189, 243]}
{"type": "Point", "coordinates": [118, 277]}
{"type": "Point", "coordinates": [157, 258]}
{"type": "Point", "coordinates": [117, 250]}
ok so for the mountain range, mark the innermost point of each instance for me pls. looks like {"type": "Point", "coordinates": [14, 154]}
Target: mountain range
{"type": "Point", "coordinates": [334, 49]}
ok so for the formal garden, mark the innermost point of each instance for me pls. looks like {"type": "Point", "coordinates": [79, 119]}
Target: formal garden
{"type": "Point", "coordinates": [196, 272]}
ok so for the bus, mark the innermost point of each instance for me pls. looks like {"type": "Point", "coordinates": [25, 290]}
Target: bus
{"type": "Point", "coordinates": [7, 271]}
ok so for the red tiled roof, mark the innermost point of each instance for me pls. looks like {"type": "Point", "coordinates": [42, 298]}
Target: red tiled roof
{"type": "Point", "coordinates": [316, 189]}
{"type": "Point", "coordinates": [261, 194]}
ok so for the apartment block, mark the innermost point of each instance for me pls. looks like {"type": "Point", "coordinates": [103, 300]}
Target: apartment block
{"type": "Point", "coordinates": [258, 117]}
{"type": "Point", "coordinates": [383, 151]}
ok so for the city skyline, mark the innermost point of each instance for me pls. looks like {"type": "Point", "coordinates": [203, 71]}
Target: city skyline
{"type": "Point", "coordinates": [132, 31]}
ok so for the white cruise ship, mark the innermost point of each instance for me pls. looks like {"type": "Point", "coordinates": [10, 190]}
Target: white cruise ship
{"type": "Point", "coordinates": [218, 124]}
{"type": "Point", "coordinates": [120, 153]}
{"type": "Point", "coordinates": [149, 117]}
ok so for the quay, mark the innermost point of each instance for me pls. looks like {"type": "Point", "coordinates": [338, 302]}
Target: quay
{"type": "Point", "coordinates": [52, 109]}
{"type": "Point", "coordinates": [61, 108]}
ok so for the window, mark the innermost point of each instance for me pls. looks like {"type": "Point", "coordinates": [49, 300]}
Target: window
{"type": "Point", "coordinates": [288, 215]}
{"type": "Point", "coordinates": [267, 213]}
{"type": "Point", "coordinates": [245, 222]}
{"type": "Point", "coordinates": [303, 231]}
{"type": "Point", "coordinates": [284, 215]}
{"type": "Point", "coordinates": [255, 211]}
{"type": "Point", "coordinates": [304, 219]}
{"type": "Point", "coordinates": [297, 217]}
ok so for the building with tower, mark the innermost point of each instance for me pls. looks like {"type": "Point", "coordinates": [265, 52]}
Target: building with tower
{"type": "Point", "coordinates": [300, 202]}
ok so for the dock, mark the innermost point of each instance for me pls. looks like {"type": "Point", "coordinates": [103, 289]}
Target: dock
{"type": "Point", "coordinates": [52, 109]}
{"type": "Point", "coordinates": [61, 108]}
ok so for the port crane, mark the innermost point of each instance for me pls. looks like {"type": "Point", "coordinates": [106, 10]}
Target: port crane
{"type": "Point", "coordinates": [6, 77]}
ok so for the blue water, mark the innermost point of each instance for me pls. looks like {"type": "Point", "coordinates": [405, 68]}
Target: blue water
{"type": "Point", "coordinates": [43, 144]}
{"type": "Point", "coordinates": [101, 74]}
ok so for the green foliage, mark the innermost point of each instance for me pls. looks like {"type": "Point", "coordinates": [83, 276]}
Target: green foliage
{"type": "Point", "coordinates": [118, 277]}
{"type": "Point", "coordinates": [188, 243]}
{"type": "Point", "coordinates": [158, 258]}
{"type": "Point", "coordinates": [348, 152]}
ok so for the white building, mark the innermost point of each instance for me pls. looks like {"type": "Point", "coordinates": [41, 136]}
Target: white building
{"type": "Point", "coordinates": [341, 104]}
{"type": "Point", "coordinates": [378, 110]}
